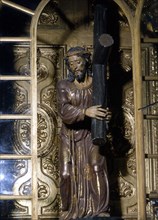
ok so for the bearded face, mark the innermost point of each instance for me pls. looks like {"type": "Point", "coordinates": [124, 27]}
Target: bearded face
{"type": "Point", "coordinates": [77, 66]}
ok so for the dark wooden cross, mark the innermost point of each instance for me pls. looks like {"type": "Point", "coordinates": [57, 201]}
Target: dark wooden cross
{"type": "Point", "coordinates": [102, 46]}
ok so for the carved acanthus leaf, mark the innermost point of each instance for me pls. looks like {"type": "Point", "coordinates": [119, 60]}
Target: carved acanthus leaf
{"type": "Point", "coordinates": [50, 165]}
{"type": "Point", "coordinates": [126, 189]}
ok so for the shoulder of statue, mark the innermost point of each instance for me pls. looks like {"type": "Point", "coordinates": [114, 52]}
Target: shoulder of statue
{"type": "Point", "coordinates": [64, 83]}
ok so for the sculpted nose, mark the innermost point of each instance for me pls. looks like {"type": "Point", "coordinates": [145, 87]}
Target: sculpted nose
{"type": "Point", "coordinates": [75, 67]}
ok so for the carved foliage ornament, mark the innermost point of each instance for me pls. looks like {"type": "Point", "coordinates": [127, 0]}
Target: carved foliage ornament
{"type": "Point", "coordinates": [49, 15]}
{"type": "Point", "coordinates": [50, 165]}
{"type": "Point", "coordinates": [46, 131]}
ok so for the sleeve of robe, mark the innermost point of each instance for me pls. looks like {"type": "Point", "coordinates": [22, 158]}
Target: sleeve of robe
{"type": "Point", "coordinates": [69, 114]}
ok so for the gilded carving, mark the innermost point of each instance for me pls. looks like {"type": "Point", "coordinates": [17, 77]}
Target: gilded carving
{"type": "Point", "coordinates": [42, 130]}
{"type": "Point", "coordinates": [46, 131]}
{"type": "Point", "coordinates": [19, 209]}
{"type": "Point", "coordinates": [126, 60]}
{"type": "Point", "coordinates": [129, 126]}
{"type": "Point", "coordinates": [133, 209]}
{"type": "Point", "coordinates": [49, 70]}
{"type": "Point", "coordinates": [48, 96]}
{"type": "Point", "coordinates": [20, 53]}
{"type": "Point", "coordinates": [24, 70]}
{"type": "Point", "coordinates": [47, 144]}
{"type": "Point", "coordinates": [47, 18]}
{"type": "Point", "coordinates": [49, 15]}
{"type": "Point", "coordinates": [122, 136]}
{"type": "Point", "coordinates": [47, 190]}
{"type": "Point", "coordinates": [154, 110]}
{"type": "Point", "coordinates": [50, 54]}
{"type": "Point", "coordinates": [43, 190]}
{"type": "Point", "coordinates": [21, 96]}
{"type": "Point", "coordinates": [22, 137]}
{"type": "Point", "coordinates": [25, 188]}
{"type": "Point", "coordinates": [123, 181]}
{"type": "Point", "coordinates": [22, 61]}
{"type": "Point", "coordinates": [42, 72]}
{"type": "Point", "coordinates": [129, 99]}
{"type": "Point", "coordinates": [54, 208]}
{"type": "Point", "coordinates": [126, 189]}
{"type": "Point", "coordinates": [149, 25]}
{"type": "Point", "coordinates": [20, 167]}
{"type": "Point", "coordinates": [50, 165]}
{"type": "Point", "coordinates": [131, 165]}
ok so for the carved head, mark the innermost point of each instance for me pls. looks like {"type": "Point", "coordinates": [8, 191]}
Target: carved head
{"type": "Point", "coordinates": [78, 62]}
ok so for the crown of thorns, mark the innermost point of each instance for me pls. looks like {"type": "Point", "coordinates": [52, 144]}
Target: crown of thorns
{"type": "Point", "coordinates": [77, 51]}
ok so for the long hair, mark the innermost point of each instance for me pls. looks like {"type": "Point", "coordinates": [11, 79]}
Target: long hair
{"type": "Point", "coordinates": [81, 52]}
